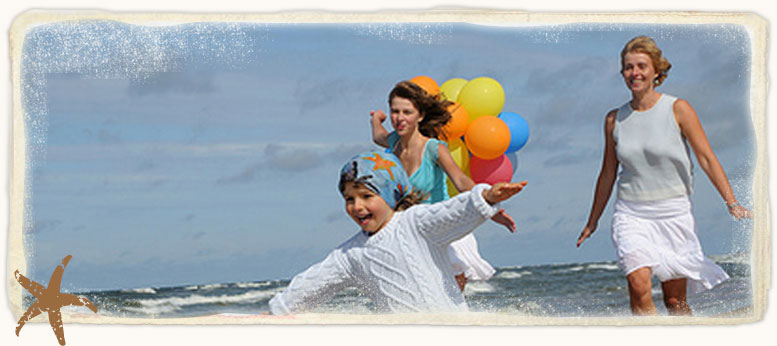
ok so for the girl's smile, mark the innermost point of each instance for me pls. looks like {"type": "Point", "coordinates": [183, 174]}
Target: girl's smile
{"type": "Point", "coordinates": [366, 207]}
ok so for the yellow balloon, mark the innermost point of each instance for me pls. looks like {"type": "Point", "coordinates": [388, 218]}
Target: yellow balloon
{"type": "Point", "coordinates": [460, 155]}
{"type": "Point", "coordinates": [482, 96]}
{"type": "Point", "coordinates": [451, 88]}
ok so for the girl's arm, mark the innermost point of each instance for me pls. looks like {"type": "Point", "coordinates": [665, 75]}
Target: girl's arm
{"type": "Point", "coordinates": [691, 128]}
{"type": "Point", "coordinates": [464, 183]}
{"type": "Point", "coordinates": [379, 133]}
{"type": "Point", "coordinates": [606, 179]}
{"type": "Point", "coordinates": [449, 220]}
{"type": "Point", "coordinates": [314, 286]}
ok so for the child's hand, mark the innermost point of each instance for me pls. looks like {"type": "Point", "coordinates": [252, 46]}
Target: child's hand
{"type": "Point", "coordinates": [378, 117]}
{"type": "Point", "coordinates": [504, 219]}
{"type": "Point", "coordinates": [502, 191]}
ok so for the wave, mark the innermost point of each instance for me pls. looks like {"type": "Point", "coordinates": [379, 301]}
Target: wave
{"type": "Point", "coordinates": [207, 287]}
{"type": "Point", "coordinates": [733, 258]}
{"type": "Point", "coordinates": [253, 284]}
{"type": "Point", "coordinates": [478, 287]}
{"type": "Point", "coordinates": [576, 268]}
{"type": "Point", "coordinates": [145, 290]}
{"type": "Point", "coordinates": [512, 274]}
{"type": "Point", "coordinates": [171, 304]}
{"type": "Point", "coordinates": [602, 266]}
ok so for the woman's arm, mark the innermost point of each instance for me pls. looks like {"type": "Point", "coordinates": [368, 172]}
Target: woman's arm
{"type": "Point", "coordinates": [606, 179]}
{"type": "Point", "coordinates": [379, 134]}
{"type": "Point", "coordinates": [691, 128]}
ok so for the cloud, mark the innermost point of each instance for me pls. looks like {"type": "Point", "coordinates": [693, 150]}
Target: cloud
{"type": "Point", "coordinates": [194, 82]}
{"type": "Point", "coordinates": [293, 159]}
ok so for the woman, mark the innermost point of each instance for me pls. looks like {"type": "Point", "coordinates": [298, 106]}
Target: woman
{"type": "Point", "coordinates": [418, 119]}
{"type": "Point", "coordinates": [652, 228]}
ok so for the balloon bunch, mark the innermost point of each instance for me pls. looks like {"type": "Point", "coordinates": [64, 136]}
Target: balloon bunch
{"type": "Point", "coordinates": [491, 137]}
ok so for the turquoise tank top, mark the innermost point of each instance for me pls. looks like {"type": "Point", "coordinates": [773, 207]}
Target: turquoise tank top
{"type": "Point", "coordinates": [429, 177]}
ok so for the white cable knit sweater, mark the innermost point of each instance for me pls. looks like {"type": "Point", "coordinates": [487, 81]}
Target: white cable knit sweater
{"type": "Point", "coordinates": [402, 268]}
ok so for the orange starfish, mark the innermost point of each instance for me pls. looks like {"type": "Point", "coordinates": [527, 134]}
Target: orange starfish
{"type": "Point", "coordinates": [381, 163]}
{"type": "Point", "coordinates": [50, 300]}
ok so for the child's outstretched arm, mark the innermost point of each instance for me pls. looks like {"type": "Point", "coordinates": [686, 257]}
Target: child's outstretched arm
{"type": "Point", "coordinates": [314, 286]}
{"type": "Point", "coordinates": [447, 221]}
{"type": "Point", "coordinates": [502, 191]}
{"type": "Point", "coordinates": [462, 182]}
{"type": "Point", "coordinates": [379, 134]}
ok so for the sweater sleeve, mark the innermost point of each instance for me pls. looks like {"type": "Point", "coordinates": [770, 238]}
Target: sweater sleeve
{"type": "Point", "coordinates": [314, 286]}
{"type": "Point", "coordinates": [445, 222]}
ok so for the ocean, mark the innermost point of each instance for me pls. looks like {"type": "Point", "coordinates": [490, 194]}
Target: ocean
{"type": "Point", "coordinates": [550, 290]}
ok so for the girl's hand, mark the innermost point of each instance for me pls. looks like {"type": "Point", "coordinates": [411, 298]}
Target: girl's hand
{"type": "Point", "coordinates": [378, 116]}
{"type": "Point", "coordinates": [502, 191]}
{"type": "Point", "coordinates": [587, 231]}
{"type": "Point", "coordinates": [504, 219]}
{"type": "Point", "coordinates": [740, 212]}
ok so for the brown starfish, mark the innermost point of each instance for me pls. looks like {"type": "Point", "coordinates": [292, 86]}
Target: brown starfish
{"type": "Point", "coordinates": [50, 300]}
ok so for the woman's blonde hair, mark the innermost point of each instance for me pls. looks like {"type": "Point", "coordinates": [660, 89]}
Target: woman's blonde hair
{"type": "Point", "coordinates": [646, 45]}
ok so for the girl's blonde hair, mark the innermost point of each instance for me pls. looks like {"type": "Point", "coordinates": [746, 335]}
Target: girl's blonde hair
{"type": "Point", "coordinates": [433, 109]}
{"type": "Point", "coordinates": [646, 45]}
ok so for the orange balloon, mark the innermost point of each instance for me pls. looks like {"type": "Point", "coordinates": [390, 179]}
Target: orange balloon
{"type": "Point", "coordinates": [457, 126]}
{"type": "Point", "coordinates": [426, 83]}
{"type": "Point", "coordinates": [487, 137]}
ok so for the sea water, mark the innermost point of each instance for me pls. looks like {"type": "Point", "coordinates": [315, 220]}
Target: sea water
{"type": "Point", "coordinates": [550, 290]}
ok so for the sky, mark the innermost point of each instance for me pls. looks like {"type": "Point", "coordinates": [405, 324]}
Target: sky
{"type": "Point", "coordinates": [204, 153]}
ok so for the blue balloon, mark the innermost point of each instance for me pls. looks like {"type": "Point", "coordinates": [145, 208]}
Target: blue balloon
{"type": "Point", "coordinates": [519, 130]}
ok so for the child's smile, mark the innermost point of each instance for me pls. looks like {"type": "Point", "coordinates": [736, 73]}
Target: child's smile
{"type": "Point", "coordinates": [366, 208]}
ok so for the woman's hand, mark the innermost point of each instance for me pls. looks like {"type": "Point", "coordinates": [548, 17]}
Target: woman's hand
{"type": "Point", "coordinates": [504, 219]}
{"type": "Point", "coordinates": [502, 191]}
{"type": "Point", "coordinates": [587, 231]}
{"type": "Point", "coordinates": [739, 212]}
{"type": "Point", "coordinates": [378, 117]}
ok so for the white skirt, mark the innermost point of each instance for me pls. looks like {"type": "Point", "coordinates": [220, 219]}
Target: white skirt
{"type": "Point", "coordinates": [662, 235]}
{"type": "Point", "coordinates": [465, 258]}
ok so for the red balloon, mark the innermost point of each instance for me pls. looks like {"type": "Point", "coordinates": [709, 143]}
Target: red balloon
{"type": "Point", "coordinates": [491, 171]}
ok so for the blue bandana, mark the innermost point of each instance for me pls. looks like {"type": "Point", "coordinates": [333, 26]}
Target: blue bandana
{"type": "Point", "coordinates": [380, 172]}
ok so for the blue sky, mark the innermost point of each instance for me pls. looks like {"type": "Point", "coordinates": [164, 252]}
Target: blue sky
{"type": "Point", "coordinates": [209, 152]}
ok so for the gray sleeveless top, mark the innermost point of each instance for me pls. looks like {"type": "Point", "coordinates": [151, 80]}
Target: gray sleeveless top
{"type": "Point", "coordinates": [653, 153]}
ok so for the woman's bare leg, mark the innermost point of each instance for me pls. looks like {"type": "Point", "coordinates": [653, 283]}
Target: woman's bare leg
{"type": "Point", "coordinates": [640, 292]}
{"type": "Point", "coordinates": [675, 298]}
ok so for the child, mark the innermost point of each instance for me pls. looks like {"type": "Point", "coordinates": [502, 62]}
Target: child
{"type": "Point", "coordinates": [399, 258]}
{"type": "Point", "coordinates": [418, 119]}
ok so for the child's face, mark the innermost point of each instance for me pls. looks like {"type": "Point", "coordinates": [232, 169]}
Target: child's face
{"type": "Point", "coordinates": [404, 116]}
{"type": "Point", "coordinates": [366, 208]}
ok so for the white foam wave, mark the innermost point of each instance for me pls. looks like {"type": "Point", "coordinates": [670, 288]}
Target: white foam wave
{"type": "Point", "coordinates": [512, 274]}
{"type": "Point", "coordinates": [734, 258]}
{"type": "Point", "coordinates": [569, 270]}
{"type": "Point", "coordinates": [253, 284]}
{"type": "Point", "coordinates": [145, 290]}
{"type": "Point", "coordinates": [171, 304]}
{"type": "Point", "coordinates": [478, 287]}
{"type": "Point", "coordinates": [603, 266]}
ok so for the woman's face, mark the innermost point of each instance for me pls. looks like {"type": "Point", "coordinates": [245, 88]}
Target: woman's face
{"type": "Point", "coordinates": [404, 116]}
{"type": "Point", "coordinates": [366, 207]}
{"type": "Point", "coordinates": [638, 72]}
